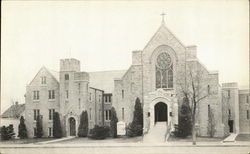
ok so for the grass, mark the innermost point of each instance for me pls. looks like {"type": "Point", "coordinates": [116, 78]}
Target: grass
{"type": "Point", "coordinates": [25, 141]}
{"type": "Point", "coordinates": [80, 140]}
{"type": "Point", "coordinates": [243, 137]}
{"type": "Point", "coordinates": [198, 139]}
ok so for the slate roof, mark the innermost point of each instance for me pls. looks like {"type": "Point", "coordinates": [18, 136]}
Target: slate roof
{"type": "Point", "coordinates": [104, 80]}
{"type": "Point", "coordinates": [14, 111]}
{"type": "Point", "coordinates": [55, 74]}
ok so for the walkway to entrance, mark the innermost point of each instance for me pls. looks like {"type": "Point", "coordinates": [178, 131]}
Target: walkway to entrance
{"type": "Point", "coordinates": [156, 134]}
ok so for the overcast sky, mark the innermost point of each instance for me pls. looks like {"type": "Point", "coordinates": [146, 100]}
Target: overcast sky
{"type": "Point", "coordinates": [102, 35]}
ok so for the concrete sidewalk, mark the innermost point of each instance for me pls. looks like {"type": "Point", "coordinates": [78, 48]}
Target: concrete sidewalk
{"type": "Point", "coordinates": [55, 140]}
{"type": "Point", "coordinates": [110, 145]}
{"type": "Point", "coordinates": [230, 138]}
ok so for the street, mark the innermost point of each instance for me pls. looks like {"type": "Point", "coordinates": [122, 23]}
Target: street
{"type": "Point", "coordinates": [127, 150]}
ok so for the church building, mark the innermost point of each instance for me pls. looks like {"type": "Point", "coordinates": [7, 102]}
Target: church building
{"type": "Point", "coordinates": [158, 75]}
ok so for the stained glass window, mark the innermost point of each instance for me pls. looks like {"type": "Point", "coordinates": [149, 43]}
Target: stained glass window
{"type": "Point", "coordinates": [164, 71]}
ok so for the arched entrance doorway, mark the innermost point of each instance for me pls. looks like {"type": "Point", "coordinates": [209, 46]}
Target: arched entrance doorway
{"type": "Point", "coordinates": [161, 112]}
{"type": "Point", "coordinates": [72, 126]}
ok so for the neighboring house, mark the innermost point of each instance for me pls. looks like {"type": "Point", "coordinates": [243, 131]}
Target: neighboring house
{"type": "Point", "coordinates": [154, 77]}
{"type": "Point", "coordinates": [12, 116]}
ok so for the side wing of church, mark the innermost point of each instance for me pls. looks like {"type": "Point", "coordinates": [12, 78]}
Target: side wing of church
{"type": "Point", "coordinates": [157, 77]}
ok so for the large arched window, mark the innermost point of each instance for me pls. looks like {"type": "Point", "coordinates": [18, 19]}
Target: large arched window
{"type": "Point", "coordinates": [164, 71]}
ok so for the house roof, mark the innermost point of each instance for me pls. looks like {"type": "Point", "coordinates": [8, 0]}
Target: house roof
{"type": "Point", "coordinates": [14, 111]}
{"type": "Point", "coordinates": [104, 80]}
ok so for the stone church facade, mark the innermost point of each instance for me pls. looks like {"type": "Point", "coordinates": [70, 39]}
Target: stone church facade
{"type": "Point", "coordinates": [155, 77]}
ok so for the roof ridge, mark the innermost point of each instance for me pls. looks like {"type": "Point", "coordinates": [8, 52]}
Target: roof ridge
{"type": "Point", "coordinates": [108, 71]}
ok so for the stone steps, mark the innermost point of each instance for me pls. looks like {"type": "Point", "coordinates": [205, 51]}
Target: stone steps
{"type": "Point", "coordinates": [156, 134]}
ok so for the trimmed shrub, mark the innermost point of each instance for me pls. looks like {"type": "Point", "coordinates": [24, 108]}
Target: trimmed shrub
{"type": "Point", "coordinates": [7, 132]}
{"type": "Point", "coordinates": [133, 130]}
{"type": "Point", "coordinates": [136, 127]}
{"type": "Point", "coordinates": [22, 131]}
{"type": "Point", "coordinates": [113, 123]}
{"type": "Point", "coordinates": [84, 125]}
{"type": "Point", "coordinates": [39, 127]}
{"type": "Point", "coordinates": [57, 128]}
{"type": "Point", "coordinates": [99, 132]}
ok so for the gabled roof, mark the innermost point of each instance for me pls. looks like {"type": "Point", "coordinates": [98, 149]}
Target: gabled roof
{"type": "Point", "coordinates": [104, 80]}
{"type": "Point", "coordinates": [54, 74]}
{"type": "Point", "coordinates": [162, 30]}
{"type": "Point", "coordinates": [14, 111]}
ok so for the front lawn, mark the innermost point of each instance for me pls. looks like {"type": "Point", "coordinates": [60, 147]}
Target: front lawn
{"type": "Point", "coordinates": [80, 140]}
{"type": "Point", "coordinates": [243, 137]}
{"type": "Point", "coordinates": [198, 139]}
{"type": "Point", "coordinates": [25, 141]}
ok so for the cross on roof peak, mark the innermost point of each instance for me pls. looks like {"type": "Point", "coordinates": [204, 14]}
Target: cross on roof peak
{"type": "Point", "coordinates": [163, 17]}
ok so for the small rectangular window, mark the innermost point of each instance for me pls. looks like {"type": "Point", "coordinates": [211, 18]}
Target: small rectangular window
{"type": "Point", "coordinates": [208, 110]}
{"type": "Point", "coordinates": [50, 132]}
{"type": "Point", "coordinates": [35, 95]}
{"type": "Point", "coordinates": [66, 76]}
{"type": "Point", "coordinates": [79, 103]}
{"type": "Point", "coordinates": [51, 113]}
{"type": "Point", "coordinates": [109, 98]}
{"type": "Point", "coordinates": [34, 131]}
{"type": "Point", "coordinates": [90, 96]}
{"type": "Point", "coordinates": [247, 99]}
{"type": "Point", "coordinates": [122, 93]}
{"type": "Point", "coordinates": [100, 114]}
{"type": "Point", "coordinates": [247, 114]}
{"type": "Point", "coordinates": [228, 93]}
{"type": "Point", "coordinates": [43, 80]}
{"type": "Point", "coordinates": [67, 94]}
{"type": "Point", "coordinates": [122, 113]}
{"type": "Point", "coordinates": [51, 94]}
{"type": "Point", "coordinates": [90, 114]}
{"type": "Point", "coordinates": [100, 99]}
{"type": "Point", "coordinates": [36, 114]}
{"type": "Point", "coordinates": [208, 89]}
{"type": "Point", "coordinates": [106, 114]}
{"type": "Point", "coordinates": [109, 111]}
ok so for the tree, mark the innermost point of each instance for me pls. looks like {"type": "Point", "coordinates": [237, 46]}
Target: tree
{"type": "Point", "coordinates": [22, 131]}
{"type": "Point", "coordinates": [113, 123]}
{"type": "Point", "coordinates": [185, 125]}
{"type": "Point", "coordinates": [84, 125]}
{"type": "Point", "coordinates": [39, 126]}
{"type": "Point", "coordinates": [211, 123]}
{"type": "Point", "coordinates": [194, 88]}
{"type": "Point", "coordinates": [136, 127]}
{"type": "Point", "coordinates": [57, 128]}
